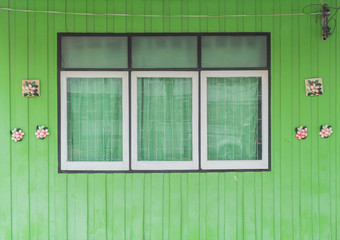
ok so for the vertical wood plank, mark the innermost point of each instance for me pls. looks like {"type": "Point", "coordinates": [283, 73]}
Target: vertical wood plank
{"type": "Point", "coordinates": [297, 90]}
{"type": "Point", "coordinates": [175, 207]}
{"type": "Point", "coordinates": [202, 205]}
{"type": "Point", "coordinates": [137, 207]}
{"type": "Point", "coordinates": [156, 207]}
{"type": "Point", "coordinates": [175, 22]}
{"type": "Point", "coordinates": [119, 206]}
{"type": "Point", "coordinates": [193, 9]}
{"type": "Point", "coordinates": [166, 206]}
{"type": "Point", "coordinates": [333, 144]}
{"type": "Point", "coordinates": [19, 119]}
{"type": "Point", "coordinates": [276, 121]}
{"type": "Point", "coordinates": [305, 119]}
{"type": "Point", "coordinates": [337, 140]}
{"type": "Point", "coordinates": [147, 191]}
{"type": "Point", "coordinates": [221, 206]}
{"type": "Point", "coordinates": [166, 11]}
{"type": "Point", "coordinates": [230, 207]}
{"type": "Point", "coordinates": [184, 203]}
{"type": "Point", "coordinates": [77, 184]}
{"type": "Point", "coordinates": [286, 116]}
{"type": "Point", "coordinates": [128, 203]}
{"type": "Point", "coordinates": [212, 205]}
{"type": "Point", "coordinates": [72, 230]}
{"type": "Point", "coordinates": [156, 8]}
{"type": "Point", "coordinates": [324, 104]}
{"type": "Point", "coordinates": [315, 124]}
{"type": "Point", "coordinates": [267, 191]}
{"type": "Point", "coordinates": [138, 8]}
{"type": "Point", "coordinates": [231, 22]}
{"type": "Point", "coordinates": [37, 115]}
{"type": "Point", "coordinates": [59, 196]}
{"type": "Point", "coordinates": [78, 204]}
{"type": "Point", "coordinates": [5, 125]}
{"type": "Point", "coordinates": [193, 207]}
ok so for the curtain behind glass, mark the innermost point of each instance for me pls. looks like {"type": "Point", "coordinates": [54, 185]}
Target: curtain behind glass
{"type": "Point", "coordinates": [94, 119]}
{"type": "Point", "coordinates": [234, 117]}
{"type": "Point", "coordinates": [164, 119]}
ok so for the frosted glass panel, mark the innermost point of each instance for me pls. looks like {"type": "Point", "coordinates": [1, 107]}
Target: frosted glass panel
{"type": "Point", "coordinates": [94, 119]}
{"type": "Point", "coordinates": [164, 52]}
{"type": "Point", "coordinates": [94, 52]}
{"type": "Point", "coordinates": [234, 51]}
{"type": "Point", "coordinates": [234, 118]}
{"type": "Point", "coordinates": [164, 119]}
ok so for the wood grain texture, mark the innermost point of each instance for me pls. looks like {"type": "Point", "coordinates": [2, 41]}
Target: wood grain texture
{"type": "Point", "coordinates": [298, 199]}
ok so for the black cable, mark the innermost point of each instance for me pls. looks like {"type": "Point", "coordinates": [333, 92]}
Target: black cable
{"type": "Point", "coordinates": [303, 9]}
{"type": "Point", "coordinates": [333, 26]}
{"type": "Point", "coordinates": [333, 18]}
{"type": "Point", "coordinates": [337, 9]}
{"type": "Point", "coordinates": [324, 19]}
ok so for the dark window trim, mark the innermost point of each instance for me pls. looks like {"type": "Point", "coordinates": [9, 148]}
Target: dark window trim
{"type": "Point", "coordinates": [199, 69]}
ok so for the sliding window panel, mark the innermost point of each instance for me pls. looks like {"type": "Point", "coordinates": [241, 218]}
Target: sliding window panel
{"type": "Point", "coordinates": [164, 52]}
{"type": "Point", "coordinates": [234, 122]}
{"type": "Point", "coordinates": [234, 51]}
{"type": "Point", "coordinates": [164, 110]}
{"type": "Point", "coordinates": [94, 121]}
{"type": "Point", "coordinates": [94, 52]}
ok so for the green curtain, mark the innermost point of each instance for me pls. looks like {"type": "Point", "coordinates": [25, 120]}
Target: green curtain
{"type": "Point", "coordinates": [94, 118]}
{"type": "Point", "coordinates": [234, 118]}
{"type": "Point", "coordinates": [164, 119]}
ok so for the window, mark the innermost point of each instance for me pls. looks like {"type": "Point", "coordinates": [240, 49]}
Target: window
{"type": "Point", "coordinates": [164, 111]}
{"type": "Point", "coordinates": [164, 102]}
{"type": "Point", "coordinates": [94, 121]}
{"type": "Point", "coordinates": [234, 112]}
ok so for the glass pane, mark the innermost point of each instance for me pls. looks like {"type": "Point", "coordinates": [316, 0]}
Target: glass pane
{"type": "Point", "coordinates": [164, 119]}
{"type": "Point", "coordinates": [94, 52]}
{"type": "Point", "coordinates": [234, 51]}
{"type": "Point", "coordinates": [234, 118]}
{"type": "Point", "coordinates": [164, 52]}
{"type": "Point", "coordinates": [94, 119]}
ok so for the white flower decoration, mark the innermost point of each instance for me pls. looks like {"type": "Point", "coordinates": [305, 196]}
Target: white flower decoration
{"type": "Point", "coordinates": [17, 134]}
{"type": "Point", "coordinates": [42, 132]}
{"type": "Point", "coordinates": [325, 131]}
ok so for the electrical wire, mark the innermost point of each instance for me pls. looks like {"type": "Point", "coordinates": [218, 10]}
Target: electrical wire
{"type": "Point", "coordinates": [324, 25]}
{"type": "Point", "coordinates": [336, 11]}
{"type": "Point", "coordinates": [333, 26]}
{"type": "Point", "coordinates": [333, 18]}
{"type": "Point", "coordinates": [152, 15]}
{"type": "Point", "coordinates": [310, 5]}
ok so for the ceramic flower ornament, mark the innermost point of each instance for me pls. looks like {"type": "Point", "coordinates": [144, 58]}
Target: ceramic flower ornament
{"type": "Point", "coordinates": [31, 88]}
{"type": "Point", "coordinates": [17, 134]}
{"type": "Point", "coordinates": [301, 132]}
{"type": "Point", "coordinates": [314, 87]}
{"type": "Point", "coordinates": [325, 131]}
{"type": "Point", "coordinates": [42, 132]}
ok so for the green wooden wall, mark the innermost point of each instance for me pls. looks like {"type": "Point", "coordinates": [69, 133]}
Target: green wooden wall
{"type": "Point", "coordinates": [298, 199]}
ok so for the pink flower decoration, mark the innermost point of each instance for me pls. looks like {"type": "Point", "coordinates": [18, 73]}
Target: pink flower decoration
{"type": "Point", "coordinates": [42, 132]}
{"type": "Point", "coordinates": [325, 131]}
{"type": "Point", "coordinates": [301, 132]}
{"type": "Point", "coordinates": [17, 134]}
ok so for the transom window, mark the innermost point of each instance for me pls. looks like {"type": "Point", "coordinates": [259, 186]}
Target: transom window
{"type": "Point", "coordinates": [164, 102]}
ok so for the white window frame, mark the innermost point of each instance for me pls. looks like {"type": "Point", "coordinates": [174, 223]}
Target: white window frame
{"type": "Point", "coordinates": [164, 165]}
{"type": "Point", "coordinates": [94, 165]}
{"type": "Point", "coordinates": [262, 164]}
